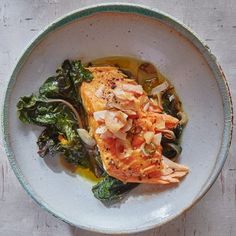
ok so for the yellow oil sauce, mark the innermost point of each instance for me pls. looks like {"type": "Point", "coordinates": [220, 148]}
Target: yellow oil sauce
{"type": "Point", "coordinates": [83, 172]}
{"type": "Point", "coordinates": [145, 73]}
{"type": "Point", "coordinates": [132, 65]}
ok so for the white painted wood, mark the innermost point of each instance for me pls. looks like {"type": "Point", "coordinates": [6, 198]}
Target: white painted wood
{"type": "Point", "coordinates": [214, 21]}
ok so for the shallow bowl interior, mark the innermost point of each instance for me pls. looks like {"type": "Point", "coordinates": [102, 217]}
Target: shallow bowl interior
{"type": "Point", "coordinates": [135, 32]}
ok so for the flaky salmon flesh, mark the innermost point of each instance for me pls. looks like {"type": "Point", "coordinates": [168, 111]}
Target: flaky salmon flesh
{"type": "Point", "coordinates": [128, 127]}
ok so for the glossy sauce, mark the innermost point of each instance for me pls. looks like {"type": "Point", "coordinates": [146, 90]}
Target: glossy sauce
{"type": "Point", "coordinates": [83, 172]}
{"type": "Point", "coordinates": [130, 64]}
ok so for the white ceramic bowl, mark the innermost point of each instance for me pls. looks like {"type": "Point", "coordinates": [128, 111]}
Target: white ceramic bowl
{"type": "Point", "coordinates": [134, 31]}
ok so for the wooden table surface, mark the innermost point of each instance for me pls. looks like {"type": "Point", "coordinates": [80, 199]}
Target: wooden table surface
{"type": "Point", "coordinates": [213, 20]}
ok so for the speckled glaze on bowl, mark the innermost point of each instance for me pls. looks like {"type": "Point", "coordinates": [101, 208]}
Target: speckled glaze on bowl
{"type": "Point", "coordinates": [127, 30]}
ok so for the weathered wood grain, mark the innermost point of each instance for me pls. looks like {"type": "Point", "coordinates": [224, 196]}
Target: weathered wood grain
{"type": "Point", "coordinates": [214, 21]}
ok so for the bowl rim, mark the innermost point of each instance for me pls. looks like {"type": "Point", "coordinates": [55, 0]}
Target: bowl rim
{"type": "Point", "coordinates": [150, 13]}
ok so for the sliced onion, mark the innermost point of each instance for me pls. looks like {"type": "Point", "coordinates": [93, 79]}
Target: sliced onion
{"type": "Point", "coordinates": [183, 118]}
{"type": "Point", "coordinates": [148, 149]}
{"type": "Point", "coordinates": [143, 150]}
{"type": "Point", "coordinates": [77, 115]}
{"type": "Point", "coordinates": [157, 139]}
{"type": "Point", "coordinates": [133, 88]}
{"type": "Point", "coordinates": [148, 136]}
{"type": "Point", "coordinates": [86, 138]}
{"type": "Point", "coordinates": [160, 88]}
{"type": "Point", "coordinates": [171, 150]}
{"type": "Point", "coordinates": [169, 134]}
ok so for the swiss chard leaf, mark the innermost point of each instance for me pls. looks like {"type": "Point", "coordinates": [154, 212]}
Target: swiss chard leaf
{"type": "Point", "coordinates": [48, 142]}
{"type": "Point", "coordinates": [111, 189]}
{"type": "Point", "coordinates": [79, 74]}
{"type": "Point", "coordinates": [171, 106]}
{"type": "Point", "coordinates": [60, 121]}
{"type": "Point", "coordinates": [66, 82]}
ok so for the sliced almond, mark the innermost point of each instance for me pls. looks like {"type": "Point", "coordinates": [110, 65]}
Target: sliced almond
{"type": "Point", "coordinates": [99, 91]}
{"type": "Point", "coordinates": [115, 120]}
{"type": "Point", "coordinates": [101, 129]}
{"type": "Point", "coordinates": [138, 89]}
{"type": "Point", "coordinates": [128, 126]}
{"type": "Point", "coordinates": [99, 115]}
{"type": "Point", "coordinates": [121, 94]}
{"type": "Point", "coordinates": [160, 88]}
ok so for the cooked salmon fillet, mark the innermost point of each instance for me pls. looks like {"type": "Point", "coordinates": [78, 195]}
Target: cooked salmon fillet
{"type": "Point", "coordinates": [128, 127]}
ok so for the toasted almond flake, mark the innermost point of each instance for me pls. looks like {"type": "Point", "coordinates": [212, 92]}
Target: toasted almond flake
{"type": "Point", "coordinates": [121, 115]}
{"type": "Point", "coordinates": [160, 88]}
{"type": "Point", "coordinates": [115, 120]}
{"type": "Point", "coordinates": [161, 124]}
{"type": "Point", "coordinates": [120, 135]}
{"type": "Point", "coordinates": [157, 139]}
{"type": "Point", "coordinates": [146, 106]}
{"type": "Point", "coordinates": [101, 129]}
{"type": "Point", "coordinates": [100, 91]}
{"type": "Point", "coordinates": [123, 107]}
{"type": "Point", "coordinates": [107, 134]}
{"type": "Point", "coordinates": [133, 88]}
{"type": "Point", "coordinates": [121, 94]}
{"type": "Point", "coordinates": [128, 126]}
{"type": "Point", "coordinates": [148, 136]}
{"type": "Point", "coordinates": [99, 115]}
